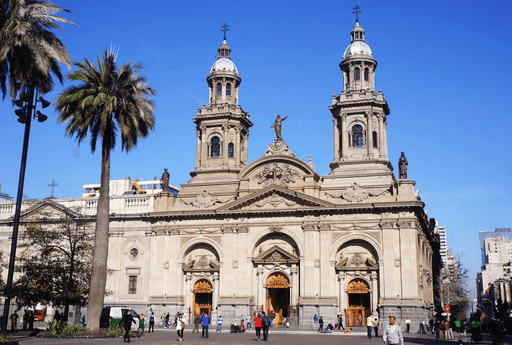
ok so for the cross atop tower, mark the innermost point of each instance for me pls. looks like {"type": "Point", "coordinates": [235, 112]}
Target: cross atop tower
{"type": "Point", "coordinates": [356, 12]}
{"type": "Point", "coordinates": [53, 185]}
{"type": "Point", "coordinates": [225, 28]}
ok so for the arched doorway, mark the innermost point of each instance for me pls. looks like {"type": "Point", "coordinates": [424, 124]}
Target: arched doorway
{"type": "Point", "coordinates": [358, 303]}
{"type": "Point", "coordinates": [278, 296]}
{"type": "Point", "coordinates": [202, 297]}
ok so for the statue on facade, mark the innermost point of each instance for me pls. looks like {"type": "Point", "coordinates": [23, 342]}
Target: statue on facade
{"type": "Point", "coordinates": [277, 126]}
{"type": "Point", "coordinates": [402, 167]}
{"type": "Point", "coordinates": [165, 180]}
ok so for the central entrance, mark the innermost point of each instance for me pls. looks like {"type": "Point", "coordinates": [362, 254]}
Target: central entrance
{"type": "Point", "coordinates": [358, 303]}
{"type": "Point", "coordinates": [278, 296]}
{"type": "Point", "coordinates": [203, 297]}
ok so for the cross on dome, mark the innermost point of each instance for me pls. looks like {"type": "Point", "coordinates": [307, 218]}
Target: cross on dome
{"type": "Point", "coordinates": [356, 12]}
{"type": "Point", "coordinates": [225, 28]}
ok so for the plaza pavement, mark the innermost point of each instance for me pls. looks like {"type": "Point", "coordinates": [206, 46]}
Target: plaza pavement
{"type": "Point", "coordinates": [293, 336]}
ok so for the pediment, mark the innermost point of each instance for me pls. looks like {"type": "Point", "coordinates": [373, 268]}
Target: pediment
{"type": "Point", "coordinates": [203, 264]}
{"type": "Point", "coordinates": [276, 254]}
{"type": "Point", "coordinates": [277, 198]}
{"type": "Point", "coordinates": [46, 208]}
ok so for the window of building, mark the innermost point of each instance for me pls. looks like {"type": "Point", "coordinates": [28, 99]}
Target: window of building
{"type": "Point", "coordinates": [374, 139]}
{"type": "Point", "coordinates": [357, 74]}
{"type": "Point", "coordinates": [357, 35]}
{"type": "Point", "coordinates": [366, 74]}
{"type": "Point", "coordinates": [219, 89]}
{"type": "Point", "coordinates": [228, 89]}
{"type": "Point", "coordinates": [357, 136]}
{"type": "Point", "coordinates": [231, 150]}
{"type": "Point", "coordinates": [215, 147]}
{"type": "Point", "coordinates": [134, 253]}
{"type": "Point", "coordinates": [132, 285]}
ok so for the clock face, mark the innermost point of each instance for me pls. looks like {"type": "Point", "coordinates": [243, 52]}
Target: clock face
{"type": "Point", "coordinates": [134, 253]}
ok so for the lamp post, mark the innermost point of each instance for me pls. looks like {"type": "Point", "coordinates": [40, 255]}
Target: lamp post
{"type": "Point", "coordinates": [491, 305]}
{"type": "Point", "coordinates": [28, 109]}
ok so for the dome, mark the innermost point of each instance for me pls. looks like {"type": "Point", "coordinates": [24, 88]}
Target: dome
{"type": "Point", "coordinates": [222, 63]}
{"type": "Point", "coordinates": [357, 47]}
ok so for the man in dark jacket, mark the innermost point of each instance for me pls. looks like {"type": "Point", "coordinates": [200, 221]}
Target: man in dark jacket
{"type": "Point", "coordinates": [127, 325]}
{"type": "Point", "coordinates": [197, 321]}
{"type": "Point", "coordinates": [265, 324]}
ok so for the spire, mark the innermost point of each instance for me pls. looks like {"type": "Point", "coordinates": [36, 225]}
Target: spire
{"type": "Point", "coordinates": [356, 12]}
{"type": "Point", "coordinates": [225, 28]}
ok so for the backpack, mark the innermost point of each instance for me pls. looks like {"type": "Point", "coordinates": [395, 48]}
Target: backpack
{"type": "Point", "coordinates": [266, 321]}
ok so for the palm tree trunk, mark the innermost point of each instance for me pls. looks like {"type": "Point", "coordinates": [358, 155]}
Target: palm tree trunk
{"type": "Point", "coordinates": [100, 253]}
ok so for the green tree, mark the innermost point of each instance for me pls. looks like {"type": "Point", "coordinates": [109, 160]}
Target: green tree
{"type": "Point", "coordinates": [55, 259]}
{"type": "Point", "coordinates": [29, 52]}
{"type": "Point", "coordinates": [108, 100]}
{"type": "Point", "coordinates": [452, 286]}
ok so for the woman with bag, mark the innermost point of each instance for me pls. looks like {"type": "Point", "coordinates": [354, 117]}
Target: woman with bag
{"type": "Point", "coordinates": [180, 326]}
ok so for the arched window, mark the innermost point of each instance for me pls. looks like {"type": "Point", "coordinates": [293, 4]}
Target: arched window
{"type": "Point", "coordinates": [366, 74]}
{"type": "Point", "coordinates": [219, 89]}
{"type": "Point", "coordinates": [357, 136]}
{"type": "Point", "coordinates": [215, 147]}
{"type": "Point", "coordinates": [374, 138]}
{"type": "Point", "coordinates": [357, 74]}
{"type": "Point", "coordinates": [231, 150]}
{"type": "Point", "coordinates": [228, 89]}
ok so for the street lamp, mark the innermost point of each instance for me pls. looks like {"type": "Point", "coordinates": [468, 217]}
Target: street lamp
{"type": "Point", "coordinates": [27, 109]}
{"type": "Point", "coordinates": [491, 304]}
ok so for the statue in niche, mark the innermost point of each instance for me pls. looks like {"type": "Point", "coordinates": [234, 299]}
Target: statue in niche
{"type": "Point", "coordinates": [402, 167]}
{"type": "Point", "coordinates": [165, 180]}
{"type": "Point", "coordinates": [277, 126]}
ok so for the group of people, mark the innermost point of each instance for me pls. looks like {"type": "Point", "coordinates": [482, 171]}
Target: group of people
{"type": "Point", "coordinates": [319, 324]}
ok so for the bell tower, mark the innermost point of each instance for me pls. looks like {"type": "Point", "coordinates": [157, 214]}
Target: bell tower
{"type": "Point", "coordinates": [222, 127]}
{"type": "Point", "coordinates": [359, 116]}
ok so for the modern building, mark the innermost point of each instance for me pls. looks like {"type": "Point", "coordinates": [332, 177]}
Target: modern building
{"type": "Point", "coordinates": [443, 246]}
{"type": "Point", "coordinates": [505, 233]}
{"type": "Point", "coordinates": [242, 237]}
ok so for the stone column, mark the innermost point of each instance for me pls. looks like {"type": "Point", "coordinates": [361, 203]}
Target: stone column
{"type": "Point", "coordinates": [223, 90]}
{"type": "Point", "coordinates": [341, 292]}
{"type": "Point", "coordinates": [369, 136]}
{"type": "Point", "coordinates": [189, 292]}
{"type": "Point", "coordinates": [295, 285]}
{"type": "Point", "coordinates": [225, 142]}
{"type": "Point", "coordinates": [215, 294]}
{"type": "Point", "coordinates": [259, 295]}
{"type": "Point", "coordinates": [198, 149]}
{"type": "Point", "coordinates": [385, 135]}
{"type": "Point", "coordinates": [204, 146]}
{"type": "Point", "coordinates": [336, 134]}
{"type": "Point", "coordinates": [375, 292]}
{"type": "Point", "coordinates": [344, 133]}
{"type": "Point", "coordinates": [237, 152]}
{"type": "Point", "coordinates": [382, 154]}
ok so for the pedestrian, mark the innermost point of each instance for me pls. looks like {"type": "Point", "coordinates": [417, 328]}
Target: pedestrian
{"type": "Point", "coordinates": [446, 326]}
{"type": "Point", "coordinates": [206, 323]}
{"type": "Point", "coordinates": [266, 325]}
{"type": "Point", "coordinates": [180, 326]}
{"type": "Point", "coordinates": [127, 325]}
{"type": "Point", "coordinates": [197, 321]}
{"type": "Point", "coordinates": [376, 327]}
{"type": "Point", "coordinates": [272, 318]}
{"type": "Point", "coordinates": [422, 326]}
{"type": "Point", "coordinates": [152, 322]}
{"type": "Point", "coordinates": [315, 319]}
{"type": "Point", "coordinates": [14, 321]}
{"type": "Point", "coordinates": [340, 322]}
{"type": "Point", "coordinates": [369, 326]}
{"type": "Point", "coordinates": [31, 321]}
{"type": "Point", "coordinates": [408, 324]}
{"type": "Point", "coordinates": [57, 316]}
{"type": "Point", "coordinates": [25, 320]}
{"type": "Point", "coordinates": [464, 325]}
{"type": "Point", "coordinates": [219, 324]}
{"type": "Point", "coordinates": [257, 325]}
{"type": "Point", "coordinates": [392, 333]}
{"type": "Point", "coordinates": [167, 317]}
{"type": "Point", "coordinates": [248, 322]}
{"type": "Point", "coordinates": [321, 323]}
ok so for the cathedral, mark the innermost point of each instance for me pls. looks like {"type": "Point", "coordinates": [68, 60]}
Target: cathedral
{"type": "Point", "coordinates": [243, 237]}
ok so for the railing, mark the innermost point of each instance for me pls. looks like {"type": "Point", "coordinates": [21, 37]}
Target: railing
{"type": "Point", "coordinates": [136, 201]}
{"type": "Point", "coordinates": [6, 208]}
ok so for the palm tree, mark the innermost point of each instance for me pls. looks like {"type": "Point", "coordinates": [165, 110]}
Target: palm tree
{"type": "Point", "coordinates": [29, 52]}
{"type": "Point", "coordinates": [108, 99]}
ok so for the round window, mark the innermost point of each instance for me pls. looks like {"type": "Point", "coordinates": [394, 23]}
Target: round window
{"type": "Point", "coordinates": [134, 253]}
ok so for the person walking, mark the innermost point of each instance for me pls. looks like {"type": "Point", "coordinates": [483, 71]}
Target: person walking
{"type": "Point", "coordinates": [446, 326]}
{"type": "Point", "coordinates": [31, 321]}
{"type": "Point", "coordinates": [392, 334]}
{"type": "Point", "coordinates": [248, 322]}
{"type": "Point", "coordinates": [315, 319]}
{"type": "Point", "coordinates": [272, 318]}
{"type": "Point", "coordinates": [376, 327]}
{"type": "Point", "coordinates": [408, 324]}
{"type": "Point", "coordinates": [180, 326]}
{"type": "Point", "coordinates": [257, 325]}
{"type": "Point", "coordinates": [219, 324]}
{"type": "Point", "coordinates": [321, 323]}
{"type": "Point", "coordinates": [266, 325]}
{"type": "Point", "coordinates": [340, 322]}
{"type": "Point", "coordinates": [206, 323]}
{"type": "Point", "coordinates": [127, 325]}
{"type": "Point", "coordinates": [369, 326]}
{"type": "Point", "coordinates": [152, 322]}
{"type": "Point", "coordinates": [197, 321]}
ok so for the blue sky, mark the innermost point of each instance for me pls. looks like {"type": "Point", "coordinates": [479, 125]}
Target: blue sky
{"type": "Point", "coordinates": [443, 67]}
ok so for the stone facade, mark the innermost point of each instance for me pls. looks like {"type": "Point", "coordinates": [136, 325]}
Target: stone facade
{"type": "Point", "coordinates": [242, 237]}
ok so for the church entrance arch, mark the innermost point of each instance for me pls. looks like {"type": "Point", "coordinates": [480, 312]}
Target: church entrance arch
{"type": "Point", "coordinates": [278, 296]}
{"type": "Point", "coordinates": [358, 303]}
{"type": "Point", "coordinates": [202, 297]}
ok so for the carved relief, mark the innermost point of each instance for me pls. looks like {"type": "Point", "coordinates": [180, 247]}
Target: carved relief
{"type": "Point", "coordinates": [309, 226]}
{"type": "Point", "coordinates": [324, 226]}
{"type": "Point", "coordinates": [275, 200]}
{"type": "Point", "coordinates": [278, 147]}
{"type": "Point", "coordinates": [277, 173]}
{"type": "Point", "coordinates": [277, 281]}
{"type": "Point", "coordinates": [204, 200]}
{"type": "Point", "coordinates": [203, 286]}
{"type": "Point", "coordinates": [354, 194]}
{"type": "Point", "coordinates": [358, 286]}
